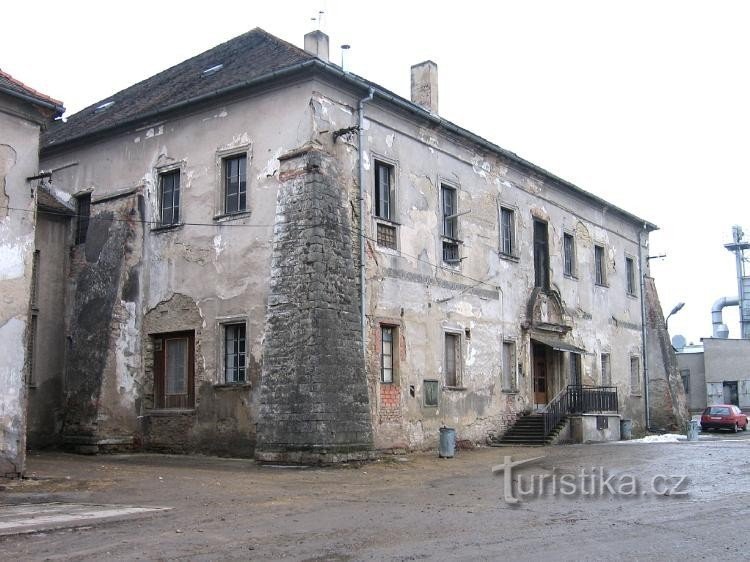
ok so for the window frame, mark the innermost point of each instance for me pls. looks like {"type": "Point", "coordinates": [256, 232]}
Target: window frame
{"type": "Point", "coordinates": [83, 217]}
{"type": "Point", "coordinates": [385, 225]}
{"type": "Point", "coordinates": [541, 262]}
{"type": "Point", "coordinates": [512, 212]}
{"type": "Point", "coordinates": [449, 236]}
{"type": "Point", "coordinates": [631, 286]}
{"type": "Point", "coordinates": [162, 399]}
{"type": "Point", "coordinates": [635, 381]}
{"type": "Point", "coordinates": [220, 198]}
{"type": "Point", "coordinates": [510, 372]}
{"type": "Point", "coordinates": [162, 173]}
{"type": "Point", "coordinates": [685, 376]}
{"type": "Point", "coordinates": [606, 374]}
{"type": "Point", "coordinates": [225, 325]}
{"type": "Point", "coordinates": [600, 266]}
{"type": "Point", "coordinates": [569, 261]}
{"type": "Point", "coordinates": [435, 382]}
{"type": "Point", "coordinates": [393, 328]}
{"type": "Point", "coordinates": [458, 350]}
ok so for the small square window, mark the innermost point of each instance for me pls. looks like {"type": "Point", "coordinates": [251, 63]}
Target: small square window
{"type": "Point", "coordinates": [235, 353]}
{"type": "Point", "coordinates": [450, 252]}
{"type": "Point", "coordinates": [169, 198]}
{"type": "Point", "coordinates": [569, 255]}
{"type": "Point", "coordinates": [235, 183]}
{"type": "Point", "coordinates": [600, 267]}
{"type": "Point", "coordinates": [386, 234]}
{"type": "Point", "coordinates": [431, 392]}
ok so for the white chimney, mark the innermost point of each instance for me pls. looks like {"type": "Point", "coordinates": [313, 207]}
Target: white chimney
{"type": "Point", "coordinates": [316, 43]}
{"type": "Point", "coordinates": [424, 85]}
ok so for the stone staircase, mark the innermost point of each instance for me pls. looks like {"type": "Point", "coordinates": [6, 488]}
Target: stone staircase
{"type": "Point", "coordinates": [529, 430]}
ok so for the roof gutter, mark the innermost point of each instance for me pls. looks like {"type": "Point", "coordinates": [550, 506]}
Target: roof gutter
{"type": "Point", "coordinates": [58, 109]}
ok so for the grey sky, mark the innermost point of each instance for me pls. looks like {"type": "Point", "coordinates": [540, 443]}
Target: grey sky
{"type": "Point", "coordinates": [644, 103]}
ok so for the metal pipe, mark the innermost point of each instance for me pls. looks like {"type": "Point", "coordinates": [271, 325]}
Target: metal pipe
{"type": "Point", "coordinates": [361, 126]}
{"type": "Point", "coordinates": [719, 328]}
{"type": "Point", "coordinates": [644, 340]}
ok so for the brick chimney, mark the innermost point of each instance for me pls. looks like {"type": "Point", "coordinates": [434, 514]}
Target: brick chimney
{"type": "Point", "coordinates": [424, 85]}
{"type": "Point", "coordinates": [316, 43]}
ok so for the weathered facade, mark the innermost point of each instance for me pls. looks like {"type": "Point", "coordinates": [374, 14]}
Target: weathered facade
{"type": "Point", "coordinates": [23, 115]}
{"type": "Point", "coordinates": [274, 257]}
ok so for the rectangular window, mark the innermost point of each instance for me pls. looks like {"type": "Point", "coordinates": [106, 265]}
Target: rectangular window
{"type": "Point", "coordinates": [169, 198]}
{"type": "Point", "coordinates": [384, 194]}
{"type": "Point", "coordinates": [235, 184]}
{"type": "Point", "coordinates": [31, 351]}
{"type": "Point", "coordinates": [507, 231]}
{"type": "Point", "coordinates": [174, 370]}
{"type": "Point", "coordinates": [450, 211]}
{"type": "Point", "coordinates": [510, 367]}
{"type": "Point", "coordinates": [606, 370]}
{"type": "Point", "coordinates": [541, 255]}
{"type": "Point", "coordinates": [685, 376]}
{"type": "Point", "coordinates": [35, 281]}
{"type": "Point", "coordinates": [84, 213]}
{"type": "Point", "coordinates": [386, 353]}
{"type": "Point", "coordinates": [235, 353]}
{"type": "Point", "coordinates": [635, 375]}
{"type": "Point", "coordinates": [575, 368]}
{"type": "Point", "coordinates": [452, 363]}
{"type": "Point", "coordinates": [386, 234]}
{"type": "Point", "coordinates": [569, 255]}
{"type": "Point", "coordinates": [630, 274]}
{"type": "Point", "coordinates": [599, 265]}
{"type": "Point", "coordinates": [431, 390]}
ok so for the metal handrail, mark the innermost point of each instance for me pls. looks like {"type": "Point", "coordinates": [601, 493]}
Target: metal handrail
{"type": "Point", "coordinates": [578, 399]}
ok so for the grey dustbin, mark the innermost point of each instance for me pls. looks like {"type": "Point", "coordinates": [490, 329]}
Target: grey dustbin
{"type": "Point", "coordinates": [447, 442]}
{"type": "Point", "coordinates": [626, 430]}
{"type": "Point", "coordinates": [693, 429]}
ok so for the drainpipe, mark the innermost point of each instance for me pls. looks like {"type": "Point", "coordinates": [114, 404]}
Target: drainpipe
{"type": "Point", "coordinates": [360, 128]}
{"type": "Point", "coordinates": [643, 329]}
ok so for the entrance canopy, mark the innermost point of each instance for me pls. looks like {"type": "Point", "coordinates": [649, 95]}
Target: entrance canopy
{"type": "Point", "coordinates": [557, 344]}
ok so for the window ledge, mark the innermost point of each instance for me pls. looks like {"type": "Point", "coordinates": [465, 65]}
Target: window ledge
{"type": "Point", "coordinates": [170, 412]}
{"type": "Point", "coordinates": [389, 222]}
{"type": "Point", "coordinates": [223, 217]}
{"type": "Point", "coordinates": [633, 296]}
{"type": "Point", "coordinates": [456, 388]}
{"type": "Point", "coordinates": [602, 285]}
{"type": "Point", "coordinates": [571, 277]}
{"type": "Point", "coordinates": [508, 391]}
{"type": "Point", "coordinates": [509, 257]}
{"type": "Point", "coordinates": [167, 227]}
{"type": "Point", "coordinates": [233, 386]}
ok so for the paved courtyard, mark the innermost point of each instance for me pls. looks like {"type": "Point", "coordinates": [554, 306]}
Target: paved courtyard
{"type": "Point", "coordinates": [125, 507]}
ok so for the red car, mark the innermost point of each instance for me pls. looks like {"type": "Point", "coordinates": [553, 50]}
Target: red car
{"type": "Point", "coordinates": [723, 416]}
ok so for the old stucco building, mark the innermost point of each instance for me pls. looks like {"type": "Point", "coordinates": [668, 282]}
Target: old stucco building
{"type": "Point", "coordinates": [220, 297]}
{"type": "Point", "coordinates": [24, 113]}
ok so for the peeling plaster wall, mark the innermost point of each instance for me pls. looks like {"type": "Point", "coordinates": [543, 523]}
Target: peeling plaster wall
{"type": "Point", "coordinates": [486, 297]}
{"type": "Point", "coordinates": [19, 151]}
{"type": "Point", "coordinates": [220, 264]}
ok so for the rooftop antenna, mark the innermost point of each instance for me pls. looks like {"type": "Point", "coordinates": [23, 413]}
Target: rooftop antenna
{"type": "Point", "coordinates": [319, 19]}
{"type": "Point", "coordinates": [344, 48]}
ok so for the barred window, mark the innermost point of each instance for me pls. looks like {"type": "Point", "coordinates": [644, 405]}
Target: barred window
{"type": "Point", "coordinates": [235, 353]}
{"type": "Point", "coordinates": [386, 235]}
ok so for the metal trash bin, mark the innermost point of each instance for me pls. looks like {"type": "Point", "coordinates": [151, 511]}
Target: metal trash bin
{"type": "Point", "coordinates": [693, 430]}
{"type": "Point", "coordinates": [626, 430]}
{"type": "Point", "coordinates": [447, 442]}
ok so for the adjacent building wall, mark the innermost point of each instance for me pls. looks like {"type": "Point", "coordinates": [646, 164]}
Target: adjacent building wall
{"type": "Point", "coordinates": [20, 125]}
{"type": "Point", "coordinates": [727, 360]}
{"type": "Point", "coordinates": [694, 363]}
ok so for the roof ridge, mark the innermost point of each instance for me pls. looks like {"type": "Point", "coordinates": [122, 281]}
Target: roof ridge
{"type": "Point", "coordinates": [29, 89]}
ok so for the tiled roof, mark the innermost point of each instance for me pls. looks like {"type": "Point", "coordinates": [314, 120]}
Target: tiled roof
{"type": "Point", "coordinates": [243, 58]}
{"type": "Point", "coordinates": [14, 87]}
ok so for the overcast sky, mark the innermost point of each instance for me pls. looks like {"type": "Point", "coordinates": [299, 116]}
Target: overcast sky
{"type": "Point", "coordinates": [644, 103]}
